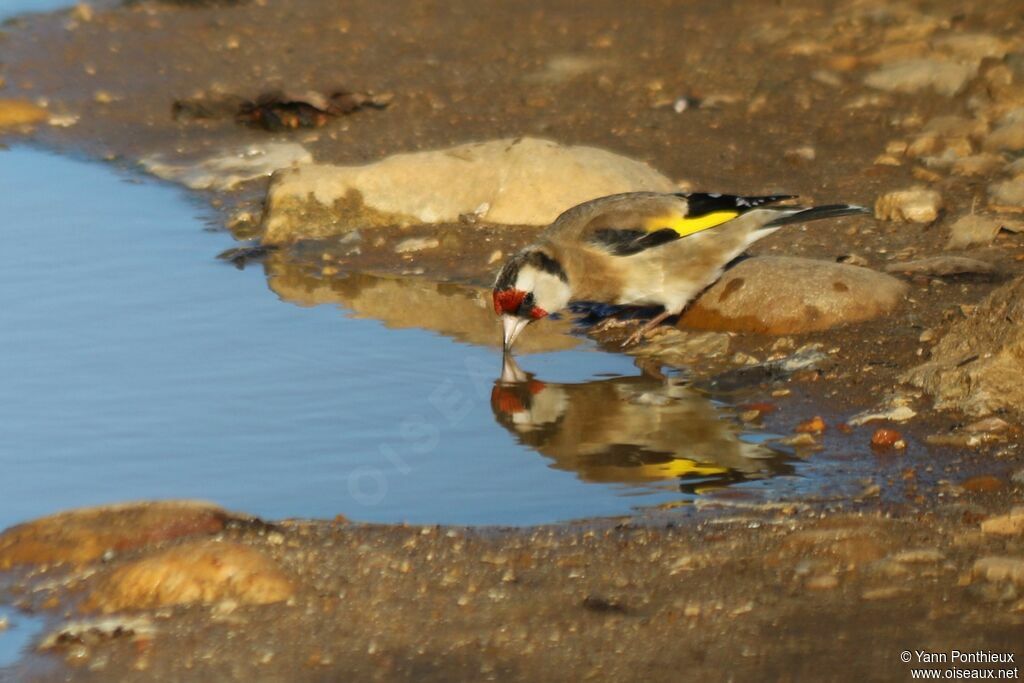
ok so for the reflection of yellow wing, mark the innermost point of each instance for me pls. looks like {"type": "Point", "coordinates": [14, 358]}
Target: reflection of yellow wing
{"type": "Point", "coordinates": [687, 226]}
{"type": "Point", "coordinates": [678, 467]}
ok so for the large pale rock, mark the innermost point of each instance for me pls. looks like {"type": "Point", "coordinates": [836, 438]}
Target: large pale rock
{"type": "Point", "coordinates": [913, 75]}
{"type": "Point", "coordinates": [977, 367]}
{"type": "Point", "coordinates": [522, 181]}
{"type": "Point", "coordinates": [78, 537]}
{"type": "Point", "coordinates": [784, 295]}
{"type": "Point", "coordinates": [202, 571]}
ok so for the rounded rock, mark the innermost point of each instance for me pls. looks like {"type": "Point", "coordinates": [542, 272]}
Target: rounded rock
{"type": "Point", "coordinates": [806, 295]}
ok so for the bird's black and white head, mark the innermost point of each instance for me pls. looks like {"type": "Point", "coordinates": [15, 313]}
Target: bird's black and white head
{"type": "Point", "coordinates": [531, 285]}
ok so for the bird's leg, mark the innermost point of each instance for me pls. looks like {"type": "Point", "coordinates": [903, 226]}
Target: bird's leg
{"type": "Point", "coordinates": [645, 330]}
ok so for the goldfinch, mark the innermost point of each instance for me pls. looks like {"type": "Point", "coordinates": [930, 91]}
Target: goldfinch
{"type": "Point", "coordinates": [639, 248]}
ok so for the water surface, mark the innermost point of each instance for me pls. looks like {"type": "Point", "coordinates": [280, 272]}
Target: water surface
{"type": "Point", "coordinates": [136, 366]}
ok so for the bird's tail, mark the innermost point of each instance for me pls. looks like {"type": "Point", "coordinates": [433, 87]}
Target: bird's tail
{"type": "Point", "coordinates": [815, 213]}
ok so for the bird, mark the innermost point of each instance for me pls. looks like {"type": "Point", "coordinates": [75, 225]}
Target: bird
{"type": "Point", "coordinates": [639, 249]}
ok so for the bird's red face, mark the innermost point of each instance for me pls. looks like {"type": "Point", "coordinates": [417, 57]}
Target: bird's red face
{"type": "Point", "coordinates": [518, 303]}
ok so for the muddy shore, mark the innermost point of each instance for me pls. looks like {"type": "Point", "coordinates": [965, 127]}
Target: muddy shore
{"type": "Point", "coordinates": [828, 586]}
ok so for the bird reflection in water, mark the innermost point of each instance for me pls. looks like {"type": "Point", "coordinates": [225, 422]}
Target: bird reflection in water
{"type": "Point", "coordinates": [630, 430]}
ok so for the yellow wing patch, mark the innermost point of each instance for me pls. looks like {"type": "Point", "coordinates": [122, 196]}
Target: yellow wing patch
{"type": "Point", "coordinates": [687, 226]}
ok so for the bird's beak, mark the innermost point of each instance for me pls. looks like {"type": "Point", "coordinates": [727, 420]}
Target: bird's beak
{"type": "Point", "coordinates": [511, 327]}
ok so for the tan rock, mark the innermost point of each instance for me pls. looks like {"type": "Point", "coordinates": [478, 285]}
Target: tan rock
{"type": "Point", "coordinates": [524, 181]}
{"type": "Point", "coordinates": [1000, 569]}
{"type": "Point", "coordinates": [1007, 194]}
{"type": "Point", "coordinates": [972, 231]}
{"type": "Point", "coordinates": [976, 367]}
{"type": "Point", "coordinates": [1005, 525]}
{"type": "Point", "coordinates": [203, 572]}
{"type": "Point", "coordinates": [16, 113]}
{"type": "Point", "coordinates": [1008, 137]}
{"type": "Point", "coordinates": [806, 295]}
{"type": "Point", "coordinates": [82, 536]}
{"type": "Point", "coordinates": [977, 165]}
{"type": "Point", "coordinates": [914, 75]}
{"type": "Point", "coordinates": [913, 205]}
{"type": "Point", "coordinates": [972, 47]}
{"type": "Point", "coordinates": [942, 266]}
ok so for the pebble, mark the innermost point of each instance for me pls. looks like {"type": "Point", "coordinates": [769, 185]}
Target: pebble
{"type": "Point", "coordinates": [414, 244]}
{"type": "Point", "coordinates": [1007, 194]}
{"type": "Point", "coordinates": [919, 556]}
{"type": "Point", "coordinates": [16, 113]}
{"type": "Point", "coordinates": [976, 165]}
{"type": "Point", "coordinates": [942, 266]}
{"type": "Point", "coordinates": [899, 413]}
{"type": "Point", "coordinates": [913, 205]}
{"type": "Point", "coordinates": [886, 593]}
{"type": "Point", "coordinates": [884, 439]}
{"type": "Point", "coordinates": [815, 425]}
{"type": "Point", "coordinates": [994, 568]}
{"type": "Point", "coordinates": [914, 75]}
{"type": "Point", "coordinates": [1011, 524]}
{"type": "Point", "coordinates": [1009, 137]}
{"type": "Point", "coordinates": [972, 230]}
{"type": "Point", "coordinates": [823, 582]}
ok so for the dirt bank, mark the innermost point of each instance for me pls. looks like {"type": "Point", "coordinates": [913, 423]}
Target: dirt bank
{"type": "Point", "coordinates": [739, 97]}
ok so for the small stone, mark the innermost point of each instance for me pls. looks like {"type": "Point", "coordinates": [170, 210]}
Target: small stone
{"type": "Point", "coordinates": [204, 572]}
{"type": "Point", "coordinates": [822, 583]}
{"type": "Point", "coordinates": [988, 425]}
{"type": "Point", "coordinates": [853, 260]}
{"type": "Point", "coordinates": [1009, 137]}
{"type": "Point", "coordinates": [920, 556]}
{"type": "Point", "coordinates": [914, 205]}
{"type": "Point", "coordinates": [805, 153]}
{"type": "Point", "coordinates": [885, 439]}
{"type": "Point", "coordinates": [414, 244]}
{"type": "Point", "coordinates": [1000, 569]}
{"type": "Point", "coordinates": [942, 266]}
{"type": "Point", "coordinates": [972, 230]}
{"type": "Point", "coordinates": [815, 425]}
{"type": "Point", "coordinates": [1011, 524]}
{"type": "Point", "coordinates": [977, 165]}
{"type": "Point", "coordinates": [926, 336]}
{"type": "Point", "coordinates": [913, 75]}
{"type": "Point", "coordinates": [887, 160]}
{"type": "Point", "coordinates": [800, 441]}
{"type": "Point", "coordinates": [495, 257]}
{"type": "Point", "coordinates": [983, 484]}
{"type": "Point", "coordinates": [82, 12]}
{"type": "Point", "coordinates": [900, 413]}
{"type": "Point", "coordinates": [103, 97]}
{"type": "Point", "coordinates": [887, 593]}
{"type": "Point", "coordinates": [1007, 194]}
{"type": "Point", "coordinates": [19, 113]}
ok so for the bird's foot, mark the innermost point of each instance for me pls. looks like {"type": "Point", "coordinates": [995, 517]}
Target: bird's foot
{"type": "Point", "coordinates": [646, 329]}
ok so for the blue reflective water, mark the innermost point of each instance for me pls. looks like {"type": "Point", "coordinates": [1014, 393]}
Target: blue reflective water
{"type": "Point", "coordinates": [134, 365]}
{"type": "Point", "coordinates": [17, 631]}
{"type": "Point", "coordinates": [12, 8]}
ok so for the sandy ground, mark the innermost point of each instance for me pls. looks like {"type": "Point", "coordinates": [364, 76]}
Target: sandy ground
{"type": "Point", "coordinates": [827, 588]}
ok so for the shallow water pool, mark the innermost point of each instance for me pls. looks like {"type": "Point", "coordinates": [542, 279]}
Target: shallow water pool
{"type": "Point", "coordinates": [137, 366]}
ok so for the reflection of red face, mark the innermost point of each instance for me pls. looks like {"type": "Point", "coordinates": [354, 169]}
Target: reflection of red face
{"type": "Point", "coordinates": [509, 399]}
{"type": "Point", "coordinates": [510, 302]}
